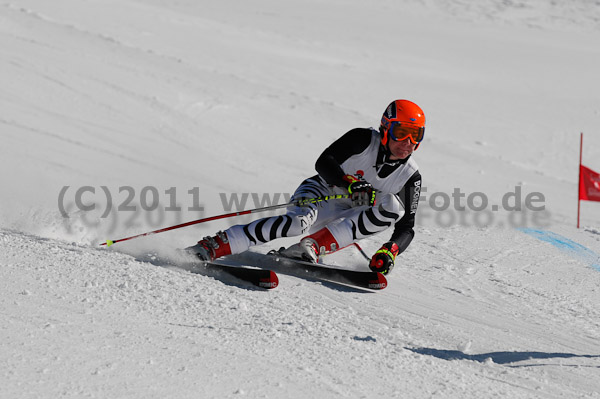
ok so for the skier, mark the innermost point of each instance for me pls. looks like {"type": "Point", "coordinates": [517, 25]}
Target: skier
{"type": "Point", "coordinates": [375, 167]}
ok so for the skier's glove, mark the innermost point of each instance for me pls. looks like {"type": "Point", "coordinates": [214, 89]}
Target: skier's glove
{"type": "Point", "coordinates": [383, 260]}
{"type": "Point", "coordinates": [362, 191]}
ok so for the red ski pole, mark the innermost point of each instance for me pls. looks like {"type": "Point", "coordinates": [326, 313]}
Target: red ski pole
{"type": "Point", "coordinates": [300, 202]}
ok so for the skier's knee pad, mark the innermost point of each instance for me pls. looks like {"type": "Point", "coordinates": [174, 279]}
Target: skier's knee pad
{"type": "Point", "coordinates": [301, 223]}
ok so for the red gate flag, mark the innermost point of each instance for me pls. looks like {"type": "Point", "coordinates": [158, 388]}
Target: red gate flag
{"type": "Point", "coordinates": [589, 184]}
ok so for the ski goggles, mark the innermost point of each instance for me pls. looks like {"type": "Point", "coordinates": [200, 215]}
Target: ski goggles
{"type": "Point", "coordinates": [399, 131]}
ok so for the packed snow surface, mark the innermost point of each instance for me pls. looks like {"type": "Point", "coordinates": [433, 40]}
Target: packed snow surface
{"type": "Point", "coordinates": [120, 117]}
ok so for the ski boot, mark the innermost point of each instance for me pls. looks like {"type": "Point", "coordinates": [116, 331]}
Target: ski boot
{"type": "Point", "coordinates": [311, 247]}
{"type": "Point", "coordinates": [211, 248]}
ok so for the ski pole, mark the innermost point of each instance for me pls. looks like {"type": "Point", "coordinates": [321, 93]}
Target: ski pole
{"type": "Point", "coordinates": [300, 202]}
{"type": "Point", "coordinates": [362, 252]}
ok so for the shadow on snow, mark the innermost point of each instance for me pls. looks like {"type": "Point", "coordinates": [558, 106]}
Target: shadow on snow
{"type": "Point", "coordinates": [497, 357]}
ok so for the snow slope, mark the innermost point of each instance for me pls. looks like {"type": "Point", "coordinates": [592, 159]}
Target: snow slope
{"type": "Point", "coordinates": [504, 321]}
{"type": "Point", "coordinates": [195, 102]}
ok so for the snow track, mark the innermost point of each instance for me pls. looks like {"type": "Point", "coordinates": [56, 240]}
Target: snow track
{"type": "Point", "coordinates": [104, 324]}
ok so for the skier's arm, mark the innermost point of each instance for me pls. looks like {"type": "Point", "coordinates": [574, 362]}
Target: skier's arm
{"type": "Point", "coordinates": [403, 230]}
{"type": "Point", "coordinates": [329, 163]}
{"type": "Point", "coordinates": [383, 260]}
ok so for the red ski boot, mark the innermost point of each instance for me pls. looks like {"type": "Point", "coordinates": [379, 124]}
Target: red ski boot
{"type": "Point", "coordinates": [211, 248]}
{"type": "Point", "coordinates": [320, 243]}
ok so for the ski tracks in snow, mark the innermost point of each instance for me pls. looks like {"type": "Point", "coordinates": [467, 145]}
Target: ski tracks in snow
{"type": "Point", "coordinates": [86, 316]}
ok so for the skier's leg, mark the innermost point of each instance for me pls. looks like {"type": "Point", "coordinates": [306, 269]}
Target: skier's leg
{"type": "Point", "coordinates": [294, 223]}
{"type": "Point", "coordinates": [366, 222]}
{"type": "Point", "coordinates": [354, 225]}
{"type": "Point", "coordinates": [297, 221]}
{"type": "Point", "coordinates": [239, 238]}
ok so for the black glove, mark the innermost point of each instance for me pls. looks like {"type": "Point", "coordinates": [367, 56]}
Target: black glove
{"type": "Point", "coordinates": [383, 260]}
{"type": "Point", "coordinates": [361, 190]}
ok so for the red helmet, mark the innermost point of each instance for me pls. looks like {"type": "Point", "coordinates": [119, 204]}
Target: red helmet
{"type": "Point", "coordinates": [402, 119]}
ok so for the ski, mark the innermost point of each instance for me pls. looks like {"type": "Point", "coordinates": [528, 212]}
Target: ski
{"type": "Point", "coordinates": [301, 268]}
{"type": "Point", "coordinates": [262, 278]}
